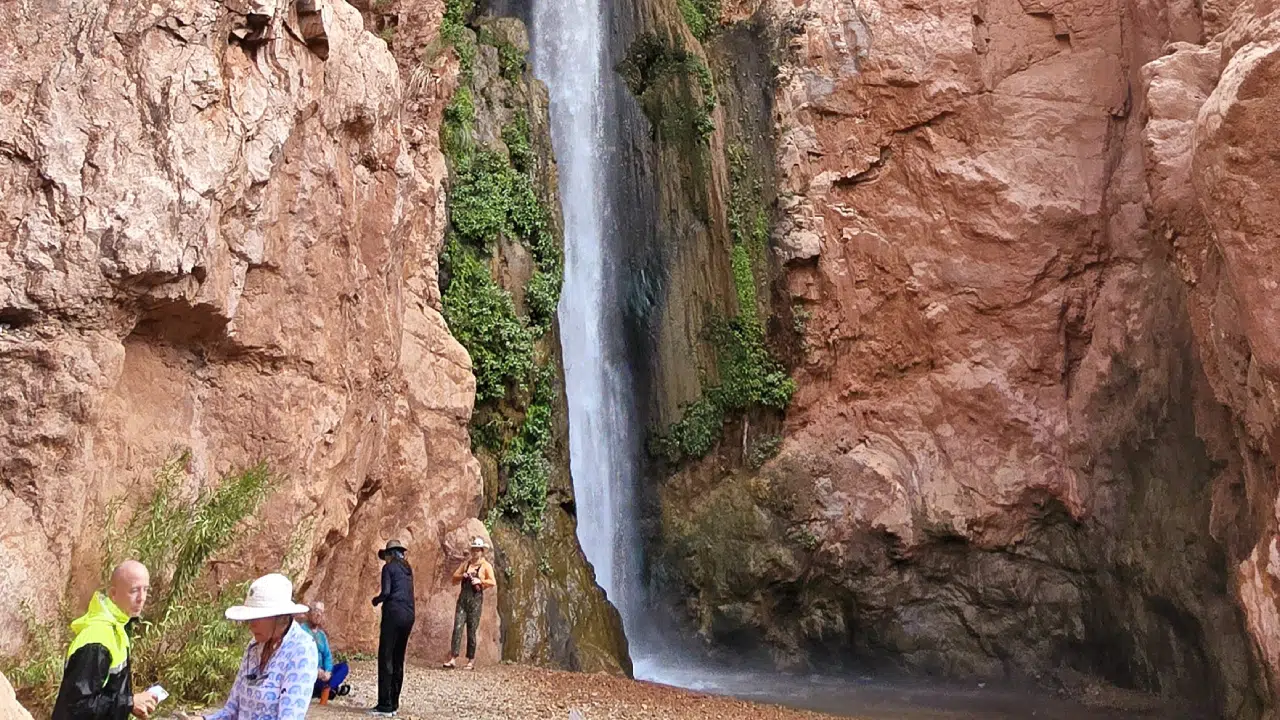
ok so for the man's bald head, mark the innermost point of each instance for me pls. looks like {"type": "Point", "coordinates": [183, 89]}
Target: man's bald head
{"type": "Point", "coordinates": [316, 616]}
{"type": "Point", "coordinates": [130, 585]}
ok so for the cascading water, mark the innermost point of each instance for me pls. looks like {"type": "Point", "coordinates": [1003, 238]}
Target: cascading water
{"type": "Point", "coordinates": [570, 57]}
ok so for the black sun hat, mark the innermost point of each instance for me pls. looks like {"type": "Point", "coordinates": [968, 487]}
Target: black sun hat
{"type": "Point", "coordinates": [391, 545]}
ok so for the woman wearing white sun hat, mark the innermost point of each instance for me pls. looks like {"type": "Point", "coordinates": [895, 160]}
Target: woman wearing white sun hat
{"type": "Point", "coordinates": [474, 575]}
{"type": "Point", "coordinates": [278, 671]}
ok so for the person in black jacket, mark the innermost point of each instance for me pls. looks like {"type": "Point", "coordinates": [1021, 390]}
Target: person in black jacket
{"type": "Point", "coordinates": [396, 600]}
{"type": "Point", "coordinates": [96, 682]}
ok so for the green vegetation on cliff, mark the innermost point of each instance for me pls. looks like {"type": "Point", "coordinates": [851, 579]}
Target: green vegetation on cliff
{"type": "Point", "coordinates": [749, 231]}
{"type": "Point", "coordinates": [749, 375]}
{"type": "Point", "coordinates": [185, 643]}
{"type": "Point", "coordinates": [700, 15]}
{"type": "Point", "coordinates": [454, 23]}
{"type": "Point", "coordinates": [749, 378]}
{"type": "Point", "coordinates": [515, 135]}
{"type": "Point", "coordinates": [495, 195]}
{"type": "Point", "coordinates": [525, 457]}
{"type": "Point", "coordinates": [491, 199]}
{"type": "Point", "coordinates": [663, 76]}
{"type": "Point", "coordinates": [482, 316]}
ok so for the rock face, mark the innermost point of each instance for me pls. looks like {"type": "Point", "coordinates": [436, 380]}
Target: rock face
{"type": "Point", "coordinates": [221, 224]}
{"type": "Point", "coordinates": [1031, 283]}
{"type": "Point", "coordinates": [1212, 160]}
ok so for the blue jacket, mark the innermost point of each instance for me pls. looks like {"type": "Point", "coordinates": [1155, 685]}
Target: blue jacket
{"type": "Point", "coordinates": [322, 644]}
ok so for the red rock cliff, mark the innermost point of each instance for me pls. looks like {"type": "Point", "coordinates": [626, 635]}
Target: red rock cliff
{"type": "Point", "coordinates": [221, 224]}
{"type": "Point", "coordinates": [1033, 422]}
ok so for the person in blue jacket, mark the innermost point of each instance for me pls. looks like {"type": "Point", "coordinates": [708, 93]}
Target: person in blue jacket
{"type": "Point", "coordinates": [330, 674]}
{"type": "Point", "coordinates": [397, 604]}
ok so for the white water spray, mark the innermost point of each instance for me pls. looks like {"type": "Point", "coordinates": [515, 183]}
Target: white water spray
{"type": "Point", "coordinates": [569, 56]}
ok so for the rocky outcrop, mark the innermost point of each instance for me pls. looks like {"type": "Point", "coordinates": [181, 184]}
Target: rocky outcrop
{"type": "Point", "coordinates": [1013, 398]}
{"type": "Point", "coordinates": [221, 230]}
{"type": "Point", "coordinates": [1212, 159]}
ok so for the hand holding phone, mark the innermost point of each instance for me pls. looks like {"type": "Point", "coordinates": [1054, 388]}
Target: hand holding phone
{"type": "Point", "coordinates": [159, 693]}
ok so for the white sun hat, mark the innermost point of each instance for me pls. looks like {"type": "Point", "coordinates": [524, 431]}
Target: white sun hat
{"type": "Point", "coordinates": [269, 596]}
{"type": "Point", "coordinates": [478, 542]}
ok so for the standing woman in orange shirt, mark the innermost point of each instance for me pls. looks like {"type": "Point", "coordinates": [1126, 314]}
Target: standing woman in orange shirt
{"type": "Point", "coordinates": [475, 574]}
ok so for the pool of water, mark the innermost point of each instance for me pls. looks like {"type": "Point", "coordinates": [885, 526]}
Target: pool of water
{"type": "Point", "coordinates": [877, 699]}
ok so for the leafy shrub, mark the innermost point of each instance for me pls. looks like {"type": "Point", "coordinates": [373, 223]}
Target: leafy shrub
{"type": "Point", "coordinates": [515, 135]}
{"type": "Point", "coordinates": [453, 30]}
{"type": "Point", "coordinates": [490, 198]}
{"type": "Point", "coordinates": [525, 460]}
{"type": "Point", "coordinates": [744, 282]}
{"type": "Point", "coordinates": [183, 642]}
{"type": "Point", "coordinates": [528, 216]}
{"type": "Point", "coordinates": [749, 377]}
{"type": "Point", "coordinates": [480, 199]}
{"type": "Point", "coordinates": [511, 62]}
{"type": "Point", "coordinates": [482, 316]}
{"type": "Point", "coordinates": [697, 431]}
{"type": "Point", "coordinates": [700, 15]}
{"type": "Point", "coordinates": [542, 296]}
{"type": "Point", "coordinates": [456, 15]}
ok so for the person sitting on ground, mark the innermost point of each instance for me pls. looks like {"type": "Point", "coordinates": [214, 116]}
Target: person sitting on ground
{"type": "Point", "coordinates": [96, 681]}
{"type": "Point", "coordinates": [330, 675]}
{"type": "Point", "coordinates": [475, 575]}
{"type": "Point", "coordinates": [280, 665]}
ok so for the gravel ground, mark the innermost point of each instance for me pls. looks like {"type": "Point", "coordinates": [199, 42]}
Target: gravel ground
{"type": "Point", "coordinates": [518, 692]}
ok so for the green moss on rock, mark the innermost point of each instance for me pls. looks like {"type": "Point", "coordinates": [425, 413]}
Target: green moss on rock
{"type": "Point", "coordinates": [573, 627]}
{"type": "Point", "coordinates": [674, 86]}
{"type": "Point", "coordinates": [750, 377]}
{"type": "Point", "coordinates": [700, 15]}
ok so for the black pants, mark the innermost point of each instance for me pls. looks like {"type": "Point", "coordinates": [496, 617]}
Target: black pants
{"type": "Point", "coordinates": [392, 642]}
{"type": "Point", "coordinates": [470, 603]}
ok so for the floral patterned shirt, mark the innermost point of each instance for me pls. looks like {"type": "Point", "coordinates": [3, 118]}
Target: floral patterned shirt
{"type": "Point", "coordinates": [281, 691]}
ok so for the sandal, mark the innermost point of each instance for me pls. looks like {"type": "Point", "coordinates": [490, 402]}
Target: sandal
{"type": "Point", "coordinates": [449, 665]}
{"type": "Point", "coordinates": [470, 666]}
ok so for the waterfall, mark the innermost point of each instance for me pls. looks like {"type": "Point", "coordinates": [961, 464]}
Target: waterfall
{"type": "Point", "coordinates": [570, 57]}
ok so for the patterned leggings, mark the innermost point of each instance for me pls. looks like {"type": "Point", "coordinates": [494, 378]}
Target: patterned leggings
{"type": "Point", "coordinates": [470, 602]}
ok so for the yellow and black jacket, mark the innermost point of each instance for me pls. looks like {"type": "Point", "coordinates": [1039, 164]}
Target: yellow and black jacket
{"type": "Point", "coordinates": [96, 683]}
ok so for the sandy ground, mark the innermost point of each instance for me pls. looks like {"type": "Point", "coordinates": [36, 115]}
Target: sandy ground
{"type": "Point", "coordinates": [525, 693]}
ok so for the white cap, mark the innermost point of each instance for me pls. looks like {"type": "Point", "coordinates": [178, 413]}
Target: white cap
{"type": "Point", "coordinates": [269, 596]}
{"type": "Point", "coordinates": [478, 542]}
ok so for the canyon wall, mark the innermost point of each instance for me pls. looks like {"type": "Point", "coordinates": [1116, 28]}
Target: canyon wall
{"type": "Point", "coordinates": [222, 229]}
{"type": "Point", "coordinates": [1212, 160]}
{"type": "Point", "coordinates": [1020, 283]}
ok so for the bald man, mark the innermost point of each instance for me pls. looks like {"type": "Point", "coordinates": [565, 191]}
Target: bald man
{"type": "Point", "coordinates": [96, 683]}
